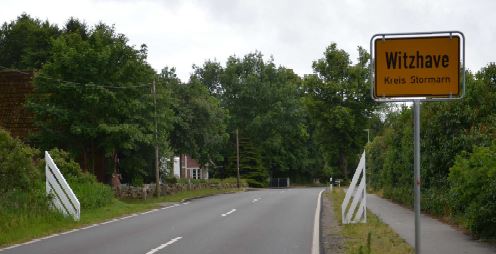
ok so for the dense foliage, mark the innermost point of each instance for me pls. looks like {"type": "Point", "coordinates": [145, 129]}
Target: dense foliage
{"type": "Point", "coordinates": [26, 42]}
{"type": "Point", "coordinates": [265, 105]}
{"type": "Point", "coordinates": [472, 183]}
{"type": "Point", "coordinates": [464, 129]}
{"type": "Point", "coordinates": [23, 180]}
{"type": "Point", "coordinates": [17, 172]}
{"type": "Point", "coordinates": [339, 103]}
{"type": "Point", "coordinates": [93, 98]}
{"type": "Point", "coordinates": [23, 196]}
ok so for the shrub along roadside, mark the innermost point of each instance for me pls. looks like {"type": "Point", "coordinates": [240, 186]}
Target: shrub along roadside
{"type": "Point", "coordinates": [22, 193]}
{"type": "Point", "coordinates": [457, 182]}
{"type": "Point", "coordinates": [24, 212]}
{"type": "Point", "coordinates": [17, 170]}
{"type": "Point", "coordinates": [24, 206]}
{"type": "Point", "coordinates": [473, 190]}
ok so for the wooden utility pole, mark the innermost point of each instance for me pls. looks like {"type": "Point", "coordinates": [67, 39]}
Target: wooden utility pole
{"type": "Point", "coordinates": [237, 157]}
{"type": "Point", "coordinates": [157, 174]}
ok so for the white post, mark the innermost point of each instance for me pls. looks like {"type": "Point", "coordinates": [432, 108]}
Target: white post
{"type": "Point", "coordinates": [357, 196]}
{"type": "Point", "coordinates": [63, 198]}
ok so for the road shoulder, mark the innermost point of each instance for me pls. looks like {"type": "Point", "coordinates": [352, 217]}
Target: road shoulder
{"type": "Point", "coordinates": [331, 238]}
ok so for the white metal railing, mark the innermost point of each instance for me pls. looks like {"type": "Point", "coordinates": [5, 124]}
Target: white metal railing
{"type": "Point", "coordinates": [351, 214]}
{"type": "Point", "coordinates": [63, 198]}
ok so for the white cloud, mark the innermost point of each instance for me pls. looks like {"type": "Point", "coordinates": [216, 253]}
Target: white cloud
{"type": "Point", "coordinates": [295, 32]}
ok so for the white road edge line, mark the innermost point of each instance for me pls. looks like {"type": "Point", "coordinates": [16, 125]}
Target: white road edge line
{"type": "Point", "coordinates": [164, 245]}
{"type": "Point", "coordinates": [70, 231]}
{"type": "Point", "coordinates": [107, 222]}
{"type": "Point", "coordinates": [225, 214]}
{"type": "Point", "coordinates": [10, 247]}
{"type": "Point", "coordinates": [171, 206]}
{"type": "Point", "coordinates": [316, 227]}
{"type": "Point", "coordinates": [90, 226]}
{"type": "Point", "coordinates": [151, 211]}
{"type": "Point", "coordinates": [128, 217]}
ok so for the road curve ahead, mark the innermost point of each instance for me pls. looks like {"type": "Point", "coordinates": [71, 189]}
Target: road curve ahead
{"type": "Point", "coordinates": [263, 221]}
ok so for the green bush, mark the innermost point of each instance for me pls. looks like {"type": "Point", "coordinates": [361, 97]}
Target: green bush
{"type": "Point", "coordinates": [92, 194]}
{"type": "Point", "coordinates": [473, 183]}
{"type": "Point", "coordinates": [22, 189]}
{"type": "Point", "coordinates": [17, 171]}
{"type": "Point", "coordinates": [436, 200]}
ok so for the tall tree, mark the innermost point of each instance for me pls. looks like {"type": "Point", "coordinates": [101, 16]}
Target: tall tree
{"type": "Point", "coordinates": [339, 103]}
{"type": "Point", "coordinates": [264, 103]}
{"type": "Point", "coordinates": [200, 123]}
{"type": "Point", "coordinates": [26, 42]}
{"type": "Point", "coordinates": [93, 95]}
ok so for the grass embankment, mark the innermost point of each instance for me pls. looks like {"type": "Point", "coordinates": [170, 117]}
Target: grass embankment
{"type": "Point", "coordinates": [371, 237]}
{"type": "Point", "coordinates": [23, 227]}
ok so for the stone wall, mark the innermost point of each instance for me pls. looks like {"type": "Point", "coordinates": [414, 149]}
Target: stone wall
{"type": "Point", "coordinates": [148, 190]}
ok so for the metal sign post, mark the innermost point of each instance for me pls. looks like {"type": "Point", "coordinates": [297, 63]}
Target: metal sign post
{"type": "Point", "coordinates": [416, 67]}
{"type": "Point", "coordinates": [416, 165]}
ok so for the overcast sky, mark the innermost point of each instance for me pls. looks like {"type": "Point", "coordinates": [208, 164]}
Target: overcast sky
{"type": "Point", "coordinates": [295, 32]}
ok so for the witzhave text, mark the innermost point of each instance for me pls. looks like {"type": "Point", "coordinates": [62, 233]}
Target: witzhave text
{"type": "Point", "coordinates": [399, 60]}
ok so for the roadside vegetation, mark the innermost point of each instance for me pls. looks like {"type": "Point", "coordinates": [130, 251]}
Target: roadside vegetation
{"type": "Point", "coordinates": [458, 146]}
{"type": "Point", "coordinates": [367, 238]}
{"type": "Point", "coordinates": [24, 206]}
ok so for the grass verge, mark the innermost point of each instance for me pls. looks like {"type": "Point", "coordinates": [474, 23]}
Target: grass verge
{"type": "Point", "coordinates": [24, 227]}
{"type": "Point", "coordinates": [371, 237]}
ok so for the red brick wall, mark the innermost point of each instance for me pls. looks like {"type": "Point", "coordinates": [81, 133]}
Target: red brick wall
{"type": "Point", "coordinates": [14, 89]}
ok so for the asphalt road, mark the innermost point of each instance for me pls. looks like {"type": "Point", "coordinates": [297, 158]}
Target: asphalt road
{"type": "Point", "coordinates": [263, 221]}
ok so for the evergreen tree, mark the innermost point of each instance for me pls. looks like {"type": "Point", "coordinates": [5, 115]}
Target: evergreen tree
{"type": "Point", "coordinates": [250, 163]}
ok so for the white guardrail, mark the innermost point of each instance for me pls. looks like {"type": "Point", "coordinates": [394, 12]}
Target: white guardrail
{"type": "Point", "coordinates": [351, 214]}
{"type": "Point", "coordinates": [63, 198]}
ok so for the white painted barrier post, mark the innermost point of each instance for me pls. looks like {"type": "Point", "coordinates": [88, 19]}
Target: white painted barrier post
{"type": "Point", "coordinates": [63, 198]}
{"type": "Point", "coordinates": [351, 214]}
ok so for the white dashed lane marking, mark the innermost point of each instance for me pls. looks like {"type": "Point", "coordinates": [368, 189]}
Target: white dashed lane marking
{"type": "Point", "coordinates": [256, 200]}
{"type": "Point", "coordinates": [225, 214]}
{"type": "Point", "coordinates": [164, 245]}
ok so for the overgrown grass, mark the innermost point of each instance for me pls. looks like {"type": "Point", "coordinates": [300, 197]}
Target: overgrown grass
{"type": "Point", "coordinates": [371, 237]}
{"type": "Point", "coordinates": [25, 225]}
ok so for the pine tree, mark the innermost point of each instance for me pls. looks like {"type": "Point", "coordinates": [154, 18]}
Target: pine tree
{"type": "Point", "coordinates": [250, 164]}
